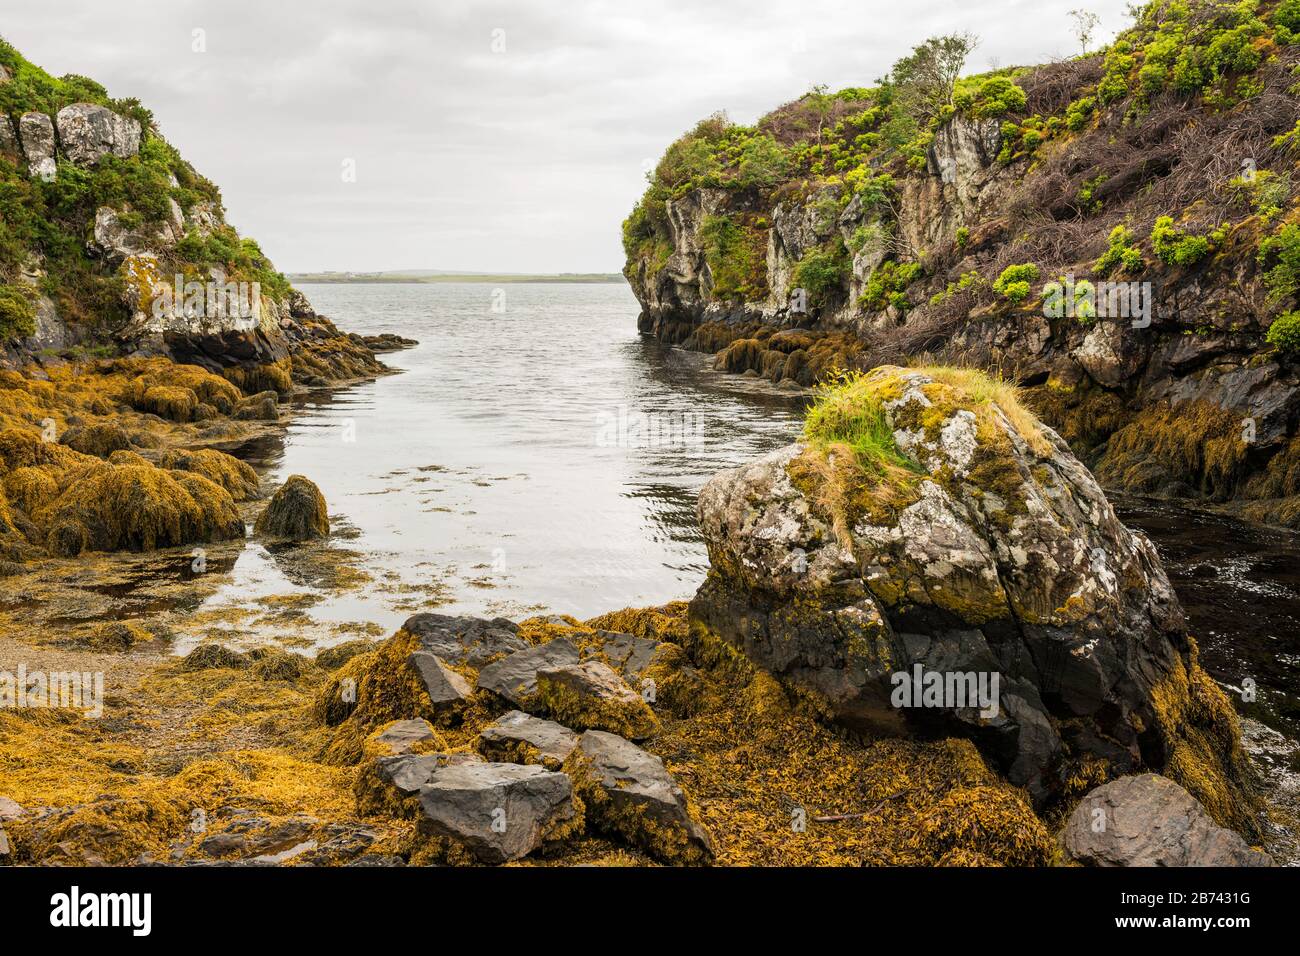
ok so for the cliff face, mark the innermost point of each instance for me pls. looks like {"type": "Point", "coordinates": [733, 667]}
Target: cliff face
{"type": "Point", "coordinates": [111, 243]}
{"type": "Point", "coordinates": [1118, 231]}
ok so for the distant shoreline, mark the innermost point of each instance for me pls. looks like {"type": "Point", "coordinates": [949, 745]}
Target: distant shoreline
{"type": "Point", "coordinates": [383, 278]}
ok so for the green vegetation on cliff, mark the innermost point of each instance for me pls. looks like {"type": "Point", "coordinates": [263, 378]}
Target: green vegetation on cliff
{"type": "Point", "coordinates": [47, 227]}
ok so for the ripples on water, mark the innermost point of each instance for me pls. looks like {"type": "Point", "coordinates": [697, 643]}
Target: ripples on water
{"type": "Point", "coordinates": [544, 457]}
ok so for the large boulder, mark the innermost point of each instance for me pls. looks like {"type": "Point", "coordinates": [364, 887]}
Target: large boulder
{"type": "Point", "coordinates": [591, 696]}
{"type": "Point", "coordinates": [1148, 820]}
{"type": "Point", "coordinates": [970, 578]}
{"type": "Point", "coordinates": [88, 132]}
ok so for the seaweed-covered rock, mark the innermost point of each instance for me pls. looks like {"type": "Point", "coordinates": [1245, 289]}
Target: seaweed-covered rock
{"type": "Point", "coordinates": [517, 737]}
{"type": "Point", "coordinates": [137, 508]}
{"type": "Point", "coordinates": [1148, 820]}
{"type": "Point", "coordinates": [471, 641]}
{"type": "Point", "coordinates": [405, 736]}
{"type": "Point", "coordinates": [629, 794]}
{"type": "Point", "coordinates": [390, 785]}
{"type": "Point", "coordinates": [296, 512]}
{"type": "Point", "coordinates": [515, 677]}
{"type": "Point", "coordinates": [237, 477]}
{"type": "Point", "coordinates": [100, 439]}
{"type": "Point", "coordinates": [962, 543]}
{"type": "Point", "coordinates": [591, 696]}
{"type": "Point", "coordinates": [207, 656]}
{"type": "Point", "coordinates": [496, 812]}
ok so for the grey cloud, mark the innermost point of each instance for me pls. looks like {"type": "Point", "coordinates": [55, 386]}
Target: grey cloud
{"type": "Point", "coordinates": [525, 160]}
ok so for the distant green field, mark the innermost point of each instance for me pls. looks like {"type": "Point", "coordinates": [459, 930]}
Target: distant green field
{"type": "Point", "coordinates": [488, 277]}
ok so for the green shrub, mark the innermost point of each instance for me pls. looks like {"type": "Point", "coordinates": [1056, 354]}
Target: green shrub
{"type": "Point", "coordinates": [1280, 253]}
{"type": "Point", "coordinates": [1175, 247]}
{"type": "Point", "coordinates": [995, 97]}
{"type": "Point", "coordinates": [17, 313]}
{"type": "Point", "coordinates": [888, 284]}
{"type": "Point", "coordinates": [1284, 333]}
{"type": "Point", "coordinates": [823, 272]}
{"type": "Point", "coordinates": [1015, 282]}
{"type": "Point", "coordinates": [1121, 253]}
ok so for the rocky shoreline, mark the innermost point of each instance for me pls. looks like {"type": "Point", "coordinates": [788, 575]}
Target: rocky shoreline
{"type": "Point", "coordinates": [660, 735]}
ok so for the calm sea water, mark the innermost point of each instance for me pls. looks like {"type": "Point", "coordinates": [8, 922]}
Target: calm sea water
{"type": "Point", "coordinates": [534, 453]}
{"type": "Point", "coordinates": [542, 456]}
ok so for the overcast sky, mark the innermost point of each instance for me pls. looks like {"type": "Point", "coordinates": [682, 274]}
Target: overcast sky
{"type": "Point", "coordinates": [494, 135]}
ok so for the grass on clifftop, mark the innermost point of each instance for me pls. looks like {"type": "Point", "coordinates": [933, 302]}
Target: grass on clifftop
{"type": "Point", "coordinates": [854, 466]}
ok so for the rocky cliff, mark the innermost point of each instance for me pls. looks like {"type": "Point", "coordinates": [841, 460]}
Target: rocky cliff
{"type": "Point", "coordinates": [1118, 231]}
{"type": "Point", "coordinates": [112, 244]}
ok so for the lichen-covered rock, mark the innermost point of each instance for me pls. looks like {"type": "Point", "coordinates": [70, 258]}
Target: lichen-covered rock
{"type": "Point", "coordinates": [88, 132]}
{"type": "Point", "coordinates": [515, 677]}
{"type": "Point", "coordinates": [591, 696]}
{"type": "Point", "coordinates": [471, 641]}
{"type": "Point", "coordinates": [1148, 820]}
{"type": "Point", "coordinates": [517, 737]}
{"type": "Point", "coordinates": [37, 134]}
{"type": "Point", "coordinates": [629, 794]}
{"type": "Point", "coordinates": [296, 512]}
{"type": "Point", "coordinates": [986, 551]}
{"type": "Point", "coordinates": [496, 812]}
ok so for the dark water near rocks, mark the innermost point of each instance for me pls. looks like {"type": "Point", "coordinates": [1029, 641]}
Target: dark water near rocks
{"type": "Point", "coordinates": [547, 458]}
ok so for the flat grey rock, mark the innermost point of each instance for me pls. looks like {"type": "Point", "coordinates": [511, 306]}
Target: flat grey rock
{"type": "Point", "coordinates": [446, 688]}
{"type": "Point", "coordinates": [1148, 820]}
{"type": "Point", "coordinates": [516, 735]}
{"type": "Point", "coordinates": [402, 736]}
{"type": "Point", "coordinates": [515, 677]}
{"type": "Point", "coordinates": [496, 811]}
{"type": "Point", "coordinates": [409, 772]}
{"type": "Point", "coordinates": [628, 654]}
{"type": "Point", "coordinates": [465, 640]}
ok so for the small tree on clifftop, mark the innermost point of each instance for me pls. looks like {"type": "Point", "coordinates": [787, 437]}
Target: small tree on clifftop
{"type": "Point", "coordinates": [924, 81]}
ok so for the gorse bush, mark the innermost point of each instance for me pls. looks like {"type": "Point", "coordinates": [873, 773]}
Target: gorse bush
{"type": "Point", "coordinates": [1015, 282]}
{"type": "Point", "coordinates": [887, 285]}
{"type": "Point", "coordinates": [1280, 253]}
{"type": "Point", "coordinates": [1121, 254]}
{"type": "Point", "coordinates": [1284, 333]}
{"type": "Point", "coordinates": [17, 313]}
{"type": "Point", "coordinates": [1175, 247]}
